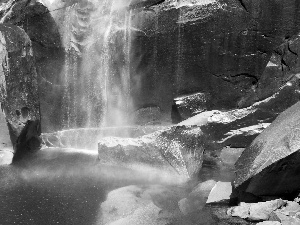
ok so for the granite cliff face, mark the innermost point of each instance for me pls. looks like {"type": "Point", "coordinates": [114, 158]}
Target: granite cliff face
{"type": "Point", "coordinates": [217, 48]}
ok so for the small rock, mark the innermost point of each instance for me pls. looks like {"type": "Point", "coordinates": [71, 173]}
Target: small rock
{"type": "Point", "coordinates": [221, 191]}
{"type": "Point", "coordinates": [6, 157]}
{"type": "Point", "coordinates": [269, 223]}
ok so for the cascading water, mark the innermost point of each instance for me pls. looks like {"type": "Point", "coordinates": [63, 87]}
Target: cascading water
{"type": "Point", "coordinates": [97, 36]}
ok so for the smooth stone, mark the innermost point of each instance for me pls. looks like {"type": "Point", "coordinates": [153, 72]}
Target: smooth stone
{"type": "Point", "coordinates": [6, 157]}
{"type": "Point", "coordinates": [122, 202]}
{"type": "Point", "coordinates": [229, 156]}
{"type": "Point", "coordinates": [220, 192]}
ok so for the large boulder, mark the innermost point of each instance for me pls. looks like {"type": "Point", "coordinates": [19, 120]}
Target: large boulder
{"type": "Point", "coordinates": [269, 165]}
{"type": "Point", "coordinates": [19, 89]}
{"type": "Point", "coordinates": [176, 149]}
{"type": "Point", "coordinates": [35, 19]}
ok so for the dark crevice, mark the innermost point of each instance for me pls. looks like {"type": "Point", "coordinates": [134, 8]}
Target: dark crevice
{"type": "Point", "coordinates": [243, 5]}
{"type": "Point", "coordinates": [145, 5]}
{"type": "Point", "coordinates": [228, 78]}
{"type": "Point", "coordinates": [289, 48]}
{"type": "Point", "coordinates": [283, 63]}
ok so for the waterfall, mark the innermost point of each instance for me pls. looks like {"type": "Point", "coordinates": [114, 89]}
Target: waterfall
{"type": "Point", "coordinates": [97, 35]}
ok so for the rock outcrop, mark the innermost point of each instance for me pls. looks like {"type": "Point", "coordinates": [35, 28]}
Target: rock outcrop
{"type": "Point", "coordinates": [268, 166]}
{"type": "Point", "coordinates": [219, 48]}
{"type": "Point", "coordinates": [19, 89]}
{"type": "Point", "coordinates": [239, 127]}
{"type": "Point", "coordinates": [35, 19]}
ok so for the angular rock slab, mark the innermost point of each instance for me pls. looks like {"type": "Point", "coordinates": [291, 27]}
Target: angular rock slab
{"type": "Point", "coordinates": [220, 192]}
{"type": "Point", "coordinates": [258, 161]}
{"type": "Point", "coordinates": [177, 149]}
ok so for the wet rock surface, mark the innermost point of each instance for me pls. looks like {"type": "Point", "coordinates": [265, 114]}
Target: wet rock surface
{"type": "Point", "coordinates": [239, 127]}
{"type": "Point", "coordinates": [177, 148]}
{"type": "Point", "coordinates": [34, 18]}
{"type": "Point", "coordinates": [147, 116]}
{"type": "Point", "coordinates": [19, 88]}
{"type": "Point", "coordinates": [236, 43]}
{"type": "Point", "coordinates": [87, 138]}
{"type": "Point", "coordinates": [187, 106]}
